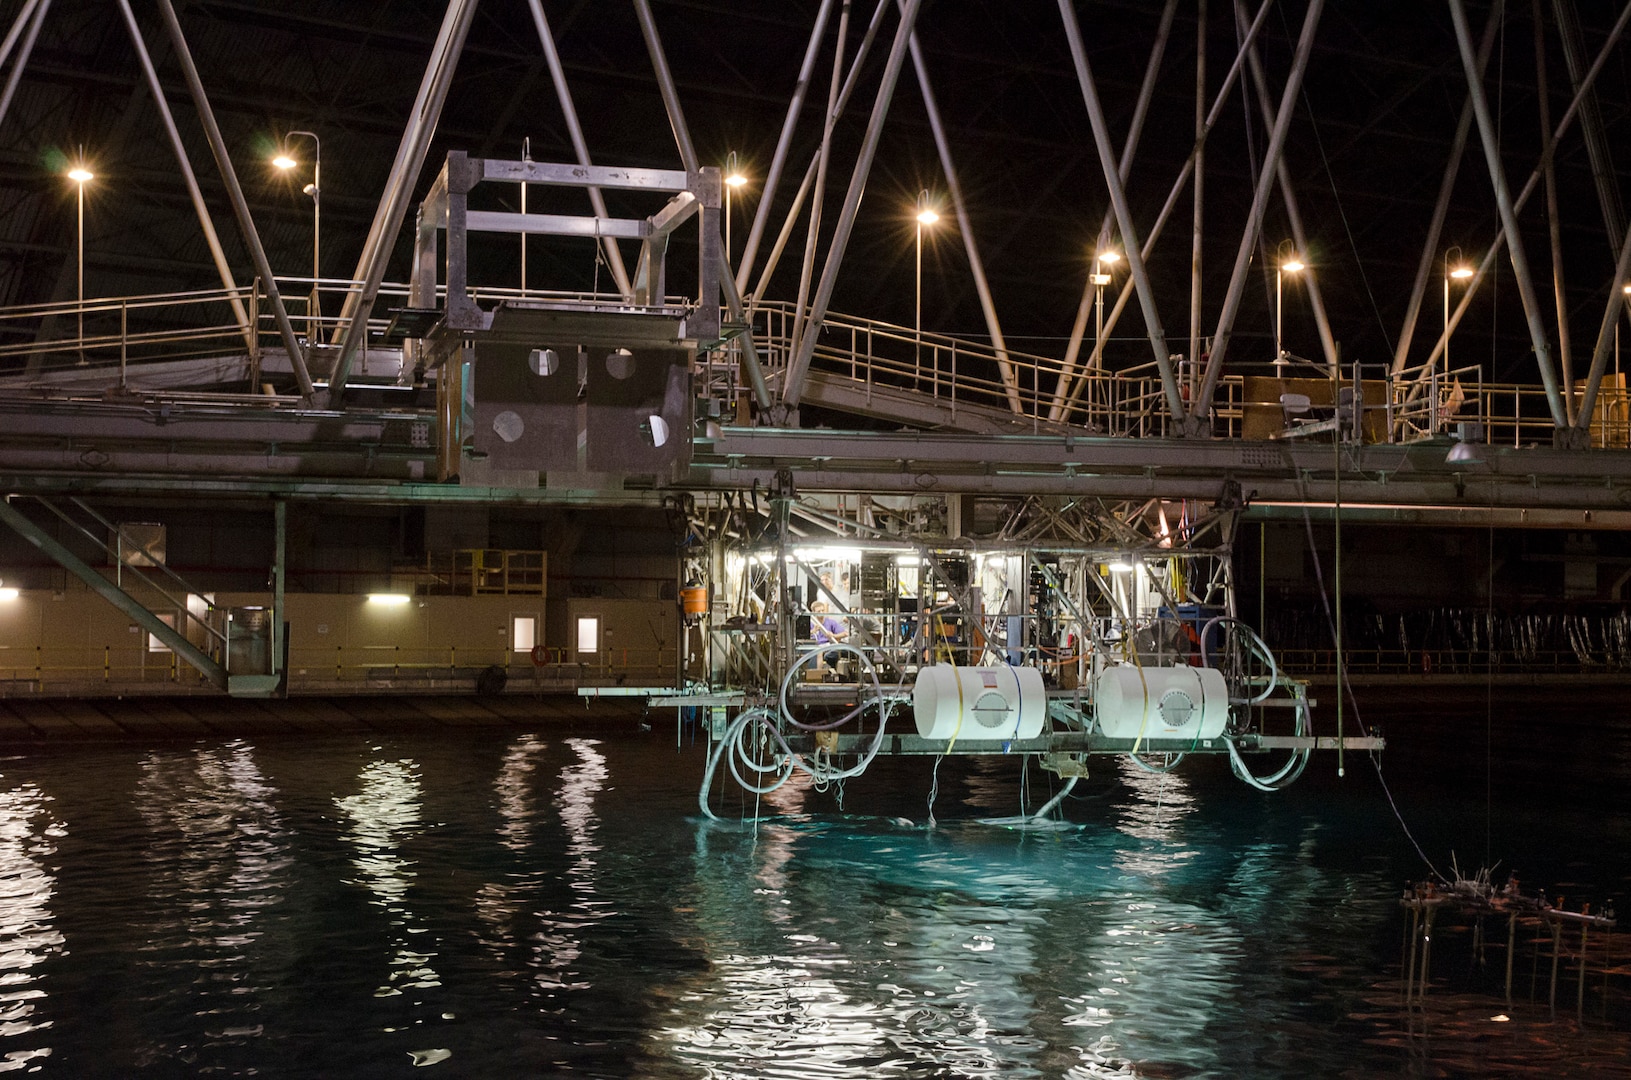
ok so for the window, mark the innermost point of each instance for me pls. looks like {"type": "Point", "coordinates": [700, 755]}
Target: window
{"type": "Point", "coordinates": [523, 632]}
{"type": "Point", "coordinates": [589, 633]}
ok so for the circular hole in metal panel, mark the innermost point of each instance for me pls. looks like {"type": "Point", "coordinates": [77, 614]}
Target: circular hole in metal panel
{"type": "Point", "coordinates": [508, 426]}
{"type": "Point", "coordinates": [543, 361]}
{"type": "Point", "coordinates": [620, 364]}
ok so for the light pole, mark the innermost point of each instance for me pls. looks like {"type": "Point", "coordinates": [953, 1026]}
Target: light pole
{"type": "Point", "coordinates": [1101, 278]}
{"type": "Point", "coordinates": [315, 190]}
{"type": "Point", "coordinates": [1459, 272]}
{"type": "Point", "coordinates": [733, 180]}
{"type": "Point", "coordinates": [1289, 263]}
{"type": "Point", "coordinates": [80, 175]}
{"type": "Point", "coordinates": [926, 215]}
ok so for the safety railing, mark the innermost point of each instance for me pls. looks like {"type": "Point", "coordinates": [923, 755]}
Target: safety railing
{"type": "Point", "coordinates": [1445, 661]}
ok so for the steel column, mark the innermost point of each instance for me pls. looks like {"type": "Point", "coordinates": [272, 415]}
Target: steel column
{"type": "Point", "coordinates": [1509, 217]}
{"type": "Point", "coordinates": [188, 176]}
{"type": "Point", "coordinates": [18, 24]}
{"type": "Point", "coordinates": [793, 387]}
{"type": "Point", "coordinates": [246, 224]}
{"type": "Point", "coordinates": [172, 638]}
{"type": "Point", "coordinates": [1199, 216]}
{"type": "Point", "coordinates": [393, 205]}
{"type": "Point", "coordinates": [767, 193]}
{"type": "Point", "coordinates": [23, 53]}
{"type": "Point", "coordinates": [665, 84]}
{"type": "Point", "coordinates": [981, 287]}
{"type": "Point", "coordinates": [1124, 214]}
{"type": "Point", "coordinates": [614, 256]}
{"type": "Point", "coordinates": [1202, 406]}
{"type": "Point", "coordinates": [1591, 120]}
{"type": "Point", "coordinates": [818, 173]}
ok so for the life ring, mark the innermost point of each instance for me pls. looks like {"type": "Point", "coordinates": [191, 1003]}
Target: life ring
{"type": "Point", "coordinates": [539, 657]}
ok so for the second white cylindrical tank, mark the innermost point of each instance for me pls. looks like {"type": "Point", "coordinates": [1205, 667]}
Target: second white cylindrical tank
{"type": "Point", "coordinates": [979, 703]}
{"type": "Point", "coordinates": [1178, 702]}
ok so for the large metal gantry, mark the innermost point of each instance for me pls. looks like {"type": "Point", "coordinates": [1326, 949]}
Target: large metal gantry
{"type": "Point", "coordinates": [439, 392]}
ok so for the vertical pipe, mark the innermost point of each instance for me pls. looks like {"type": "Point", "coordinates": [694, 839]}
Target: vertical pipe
{"type": "Point", "coordinates": [976, 267]}
{"type": "Point", "coordinates": [799, 365]}
{"type": "Point", "coordinates": [818, 198]}
{"type": "Point", "coordinates": [1509, 217]}
{"type": "Point", "coordinates": [1202, 405]}
{"type": "Point", "coordinates": [1554, 228]}
{"type": "Point", "coordinates": [614, 256]}
{"type": "Point", "coordinates": [767, 194]}
{"type": "Point", "coordinates": [410, 158]}
{"type": "Point", "coordinates": [1124, 215]}
{"type": "Point", "coordinates": [246, 224]}
{"type": "Point", "coordinates": [187, 175]}
{"type": "Point", "coordinates": [280, 517]}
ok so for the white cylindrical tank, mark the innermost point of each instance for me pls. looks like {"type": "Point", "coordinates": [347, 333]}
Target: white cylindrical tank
{"type": "Point", "coordinates": [1179, 702]}
{"type": "Point", "coordinates": [979, 702]}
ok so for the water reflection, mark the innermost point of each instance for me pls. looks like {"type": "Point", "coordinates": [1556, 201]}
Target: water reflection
{"type": "Point", "coordinates": [497, 902]}
{"type": "Point", "coordinates": [1157, 804]}
{"type": "Point", "coordinates": [560, 939]}
{"type": "Point", "coordinates": [383, 814]}
{"type": "Point", "coordinates": [28, 935]}
{"type": "Point", "coordinates": [219, 855]}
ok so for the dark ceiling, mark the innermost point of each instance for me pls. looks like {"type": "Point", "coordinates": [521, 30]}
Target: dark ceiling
{"type": "Point", "coordinates": [1366, 151]}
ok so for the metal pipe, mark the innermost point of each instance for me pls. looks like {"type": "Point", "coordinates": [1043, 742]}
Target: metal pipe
{"type": "Point", "coordinates": [1554, 225]}
{"type": "Point", "coordinates": [799, 365]}
{"type": "Point", "coordinates": [246, 223]}
{"type": "Point", "coordinates": [982, 287]}
{"type": "Point", "coordinates": [410, 158]}
{"type": "Point", "coordinates": [665, 84]}
{"type": "Point", "coordinates": [778, 159]}
{"type": "Point", "coordinates": [1435, 228]}
{"type": "Point", "coordinates": [1591, 120]}
{"type": "Point", "coordinates": [23, 53]}
{"type": "Point", "coordinates": [1167, 207]}
{"type": "Point", "coordinates": [1135, 129]}
{"type": "Point", "coordinates": [1202, 405]}
{"type": "Point", "coordinates": [1509, 217]}
{"type": "Point", "coordinates": [189, 177]}
{"type": "Point", "coordinates": [1124, 215]}
{"type": "Point", "coordinates": [614, 255]}
{"type": "Point", "coordinates": [750, 354]}
{"type": "Point", "coordinates": [1299, 234]}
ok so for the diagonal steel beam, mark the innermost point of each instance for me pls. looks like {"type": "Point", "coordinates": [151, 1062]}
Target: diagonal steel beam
{"type": "Point", "coordinates": [1124, 214]}
{"type": "Point", "coordinates": [1554, 225]}
{"type": "Point", "coordinates": [246, 223]}
{"type": "Point", "coordinates": [665, 84]}
{"type": "Point", "coordinates": [987, 306]}
{"type": "Point", "coordinates": [614, 257]}
{"type": "Point", "coordinates": [1254, 221]}
{"type": "Point", "coordinates": [778, 159]}
{"type": "Point", "coordinates": [1605, 337]}
{"type": "Point", "coordinates": [1509, 217]}
{"type": "Point", "coordinates": [799, 365]}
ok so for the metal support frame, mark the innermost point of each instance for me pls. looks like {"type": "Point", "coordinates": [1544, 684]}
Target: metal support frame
{"type": "Point", "coordinates": [778, 159]}
{"type": "Point", "coordinates": [1202, 405]}
{"type": "Point", "coordinates": [614, 255]}
{"type": "Point", "coordinates": [1184, 172]}
{"type": "Point", "coordinates": [1554, 227]}
{"type": "Point", "coordinates": [446, 206]}
{"type": "Point", "coordinates": [1299, 235]}
{"type": "Point", "coordinates": [173, 639]}
{"type": "Point", "coordinates": [1091, 290]}
{"type": "Point", "coordinates": [189, 177]}
{"type": "Point", "coordinates": [1124, 214]}
{"type": "Point", "coordinates": [393, 204]}
{"type": "Point", "coordinates": [1509, 218]}
{"type": "Point", "coordinates": [246, 224]}
{"type": "Point", "coordinates": [799, 365]}
{"type": "Point", "coordinates": [33, 31]}
{"type": "Point", "coordinates": [977, 268]}
{"type": "Point", "coordinates": [1435, 227]}
{"type": "Point", "coordinates": [1605, 338]}
{"type": "Point", "coordinates": [1199, 213]}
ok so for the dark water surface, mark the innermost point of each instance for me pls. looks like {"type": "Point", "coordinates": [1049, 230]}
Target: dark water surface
{"type": "Point", "coordinates": [503, 903]}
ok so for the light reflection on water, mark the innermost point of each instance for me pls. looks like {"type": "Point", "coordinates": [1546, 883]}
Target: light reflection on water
{"type": "Point", "coordinates": [28, 936]}
{"type": "Point", "coordinates": [530, 905]}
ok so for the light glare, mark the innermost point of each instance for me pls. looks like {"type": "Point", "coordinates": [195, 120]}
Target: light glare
{"type": "Point", "coordinates": [927, 216]}
{"type": "Point", "coordinates": [284, 161]}
{"type": "Point", "coordinates": [1291, 266]}
{"type": "Point", "coordinates": [389, 599]}
{"type": "Point", "coordinates": [79, 174]}
{"type": "Point", "coordinates": [1461, 273]}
